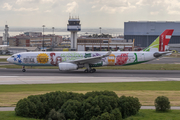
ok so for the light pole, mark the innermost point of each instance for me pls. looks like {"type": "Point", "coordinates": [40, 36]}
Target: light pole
{"type": "Point", "coordinates": [43, 36]}
{"type": "Point", "coordinates": [53, 36]}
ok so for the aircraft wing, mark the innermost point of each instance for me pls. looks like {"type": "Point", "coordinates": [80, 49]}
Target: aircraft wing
{"type": "Point", "coordinates": [90, 60]}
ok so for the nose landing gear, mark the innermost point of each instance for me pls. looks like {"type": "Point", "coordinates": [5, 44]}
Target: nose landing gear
{"type": "Point", "coordinates": [23, 69]}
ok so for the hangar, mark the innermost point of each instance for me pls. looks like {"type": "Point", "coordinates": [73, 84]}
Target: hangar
{"type": "Point", "coordinates": [145, 32]}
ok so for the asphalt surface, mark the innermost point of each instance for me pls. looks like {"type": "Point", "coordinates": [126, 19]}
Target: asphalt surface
{"type": "Point", "coordinates": [98, 73]}
{"type": "Point", "coordinates": [165, 60]}
{"type": "Point", "coordinates": [46, 76]}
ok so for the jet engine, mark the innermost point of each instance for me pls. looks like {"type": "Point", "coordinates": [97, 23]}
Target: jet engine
{"type": "Point", "coordinates": [67, 66]}
{"type": "Point", "coordinates": [156, 54]}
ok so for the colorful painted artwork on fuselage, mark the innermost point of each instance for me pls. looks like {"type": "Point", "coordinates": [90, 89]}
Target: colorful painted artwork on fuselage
{"type": "Point", "coordinates": [111, 59]}
{"type": "Point", "coordinates": [121, 59]}
{"type": "Point", "coordinates": [18, 59]}
{"type": "Point", "coordinates": [70, 56]}
{"type": "Point", "coordinates": [42, 58]}
{"type": "Point", "coordinates": [54, 58]}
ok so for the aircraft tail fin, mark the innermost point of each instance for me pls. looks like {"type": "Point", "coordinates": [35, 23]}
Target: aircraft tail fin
{"type": "Point", "coordinates": [161, 42]}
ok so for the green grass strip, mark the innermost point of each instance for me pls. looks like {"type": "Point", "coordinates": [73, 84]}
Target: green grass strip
{"type": "Point", "coordinates": [3, 60]}
{"type": "Point", "coordinates": [142, 115]}
{"type": "Point", "coordinates": [10, 115]}
{"type": "Point", "coordinates": [166, 85]}
{"type": "Point", "coordinates": [153, 115]}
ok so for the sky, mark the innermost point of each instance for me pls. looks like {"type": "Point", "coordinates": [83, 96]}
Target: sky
{"type": "Point", "coordinates": [92, 13]}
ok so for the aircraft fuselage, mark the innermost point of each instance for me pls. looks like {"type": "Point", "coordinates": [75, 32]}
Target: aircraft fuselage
{"type": "Point", "coordinates": [117, 58]}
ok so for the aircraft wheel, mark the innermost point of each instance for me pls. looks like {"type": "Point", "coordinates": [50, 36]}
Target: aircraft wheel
{"type": "Point", "coordinates": [86, 70]}
{"type": "Point", "coordinates": [92, 71]}
{"type": "Point", "coordinates": [23, 70]}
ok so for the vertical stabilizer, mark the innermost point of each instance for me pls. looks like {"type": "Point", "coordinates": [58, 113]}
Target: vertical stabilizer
{"type": "Point", "coordinates": [161, 42]}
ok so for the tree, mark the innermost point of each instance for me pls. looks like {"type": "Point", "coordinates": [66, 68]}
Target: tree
{"type": "Point", "coordinates": [129, 106]}
{"type": "Point", "coordinates": [71, 109]}
{"type": "Point", "coordinates": [162, 103]}
{"type": "Point", "coordinates": [53, 115]}
{"type": "Point", "coordinates": [98, 105]}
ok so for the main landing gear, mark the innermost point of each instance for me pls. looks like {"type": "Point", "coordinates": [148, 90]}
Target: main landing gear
{"type": "Point", "coordinates": [90, 71]}
{"type": "Point", "coordinates": [23, 69]}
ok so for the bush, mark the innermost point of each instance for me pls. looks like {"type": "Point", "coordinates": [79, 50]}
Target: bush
{"type": "Point", "coordinates": [98, 93]}
{"type": "Point", "coordinates": [30, 107]}
{"type": "Point", "coordinates": [22, 108]}
{"type": "Point", "coordinates": [71, 109]}
{"type": "Point", "coordinates": [98, 105]}
{"type": "Point", "coordinates": [93, 105]}
{"type": "Point", "coordinates": [53, 115]}
{"type": "Point", "coordinates": [129, 106]}
{"type": "Point", "coordinates": [114, 115]}
{"type": "Point", "coordinates": [38, 106]}
{"type": "Point", "coordinates": [162, 103]}
{"type": "Point", "coordinates": [117, 114]}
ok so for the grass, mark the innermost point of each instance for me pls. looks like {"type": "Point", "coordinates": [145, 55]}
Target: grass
{"type": "Point", "coordinates": [153, 115]}
{"type": "Point", "coordinates": [131, 67]}
{"type": "Point", "coordinates": [5, 55]}
{"type": "Point", "coordinates": [142, 115]}
{"type": "Point", "coordinates": [3, 60]}
{"type": "Point", "coordinates": [10, 115]}
{"type": "Point", "coordinates": [121, 86]}
{"type": "Point", "coordinates": [145, 91]}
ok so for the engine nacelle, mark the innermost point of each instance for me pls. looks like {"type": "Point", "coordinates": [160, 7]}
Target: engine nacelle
{"type": "Point", "coordinates": [67, 66]}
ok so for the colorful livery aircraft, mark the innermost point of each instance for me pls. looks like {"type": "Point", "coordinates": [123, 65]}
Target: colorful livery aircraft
{"type": "Point", "coordinates": [74, 60]}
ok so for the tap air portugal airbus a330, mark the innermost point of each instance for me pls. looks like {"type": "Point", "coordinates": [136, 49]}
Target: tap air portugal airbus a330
{"type": "Point", "coordinates": [73, 60]}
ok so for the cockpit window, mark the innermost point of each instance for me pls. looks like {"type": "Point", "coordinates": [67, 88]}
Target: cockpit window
{"type": "Point", "coordinates": [12, 56]}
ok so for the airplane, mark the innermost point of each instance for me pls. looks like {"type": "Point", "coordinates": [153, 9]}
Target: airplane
{"type": "Point", "coordinates": [74, 60]}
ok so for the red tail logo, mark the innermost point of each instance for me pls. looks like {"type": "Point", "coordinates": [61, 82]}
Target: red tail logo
{"type": "Point", "coordinates": [164, 39]}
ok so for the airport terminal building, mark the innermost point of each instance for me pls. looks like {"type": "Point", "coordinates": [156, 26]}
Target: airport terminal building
{"type": "Point", "coordinates": [146, 32]}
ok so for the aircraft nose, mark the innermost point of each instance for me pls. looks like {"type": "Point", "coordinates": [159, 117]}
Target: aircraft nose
{"type": "Point", "coordinates": [8, 59]}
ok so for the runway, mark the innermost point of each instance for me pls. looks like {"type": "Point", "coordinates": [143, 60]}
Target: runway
{"type": "Point", "coordinates": [165, 60]}
{"type": "Point", "coordinates": [47, 76]}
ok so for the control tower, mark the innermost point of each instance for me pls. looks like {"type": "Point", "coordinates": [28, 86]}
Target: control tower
{"type": "Point", "coordinates": [74, 26]}
{"type": "Point", "coordinates": [6, 35]}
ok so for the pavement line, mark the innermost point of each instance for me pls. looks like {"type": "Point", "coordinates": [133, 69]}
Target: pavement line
{"type": "Point", "coordinates": [8, 76]}
{"type": "Point", "coordinates": [142, 107]}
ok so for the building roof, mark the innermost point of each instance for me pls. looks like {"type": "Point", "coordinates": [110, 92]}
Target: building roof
{"type": "Point", "coordinates": [150, 27]}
